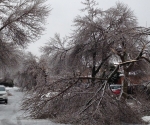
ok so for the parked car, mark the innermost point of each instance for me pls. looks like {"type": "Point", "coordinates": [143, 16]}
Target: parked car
{"type": "Point", "coordinates": [3, 94]}
{"type": "Point", "coordinates": [115, 88]}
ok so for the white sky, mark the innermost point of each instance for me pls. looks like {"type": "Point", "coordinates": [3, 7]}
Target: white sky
{"type": "Point", "coordinates": [63, 13]}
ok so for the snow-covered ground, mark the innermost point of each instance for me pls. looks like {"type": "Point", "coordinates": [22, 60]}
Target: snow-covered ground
{"type": "Point", "coordinates": [147, 119]}
{"type": "Point", "coordinates": [11, 114]}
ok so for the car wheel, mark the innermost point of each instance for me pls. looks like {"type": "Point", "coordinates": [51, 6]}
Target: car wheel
{"type": "Point", "coordinates": [6, 101]}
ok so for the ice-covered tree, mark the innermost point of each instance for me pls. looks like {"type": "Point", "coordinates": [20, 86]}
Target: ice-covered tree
{"type": "Point", "coordinates": [21, 22]}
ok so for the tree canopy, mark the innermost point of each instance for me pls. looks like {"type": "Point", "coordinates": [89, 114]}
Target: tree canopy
{"type": "Point", "coordinates": [21, 22]}
{"type": "Point", "coordinates": [77, 70]}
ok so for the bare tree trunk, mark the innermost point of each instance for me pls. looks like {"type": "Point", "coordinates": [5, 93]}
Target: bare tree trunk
{"type": "Point", "coordinates": [123, 94]}
{"type": "Point", "coordinates": [124, 86]}
{"type": "Point", "coordinates": [93, 69]}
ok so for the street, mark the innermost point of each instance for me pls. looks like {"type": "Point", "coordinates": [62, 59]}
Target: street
{"type": "Point", "coordinates": [10, 114]}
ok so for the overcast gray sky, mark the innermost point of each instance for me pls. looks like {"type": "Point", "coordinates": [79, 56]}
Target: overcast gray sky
{"type": "Point", "coordinates": [63, 12]}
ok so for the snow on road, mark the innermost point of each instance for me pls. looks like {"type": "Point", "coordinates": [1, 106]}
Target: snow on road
{"type": "Point", "coordinates": [11, 114]}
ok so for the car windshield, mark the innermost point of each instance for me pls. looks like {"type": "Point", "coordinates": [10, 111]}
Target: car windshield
{"type": "Point", "coordinates": [2, 88]}
{"type": "Point", "coordinates": [115, 87]}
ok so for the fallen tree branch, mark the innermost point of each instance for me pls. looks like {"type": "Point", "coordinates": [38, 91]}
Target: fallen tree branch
{"type": "Point", "coordinates": [90, 102]}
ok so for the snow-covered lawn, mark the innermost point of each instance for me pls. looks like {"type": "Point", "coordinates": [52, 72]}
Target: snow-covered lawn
{"type": "Point", "coordinates": [11, 114]}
